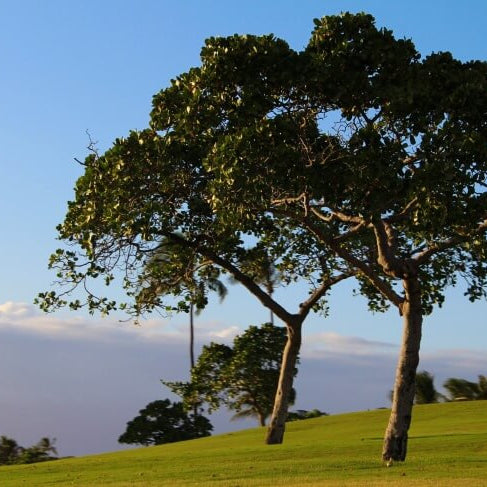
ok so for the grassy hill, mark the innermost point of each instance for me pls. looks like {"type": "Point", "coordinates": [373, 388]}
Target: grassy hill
{"type": "Point", "coordinates": [447, 447]}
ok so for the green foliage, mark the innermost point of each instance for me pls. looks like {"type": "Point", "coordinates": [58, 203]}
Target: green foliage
{"type": "Point", "coordinates": [309, 155]}
{"type": "Point", "coordinates": [243, 377]}
{"type": "Point", "coordinates": [11, 453]}
{"type": "Point", "coordinates": [164, 422]}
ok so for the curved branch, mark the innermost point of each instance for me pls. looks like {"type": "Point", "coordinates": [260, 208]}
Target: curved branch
{"type": "Point", "coordinates": [249, 283]}
{"type": "Point", "coordinates": [321, 291]}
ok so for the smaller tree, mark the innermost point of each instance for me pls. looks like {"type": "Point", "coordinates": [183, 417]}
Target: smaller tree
{"type": "Point", "coordinates": [164, 422]}
{"type": "Point", "coordinates": [243, 378]}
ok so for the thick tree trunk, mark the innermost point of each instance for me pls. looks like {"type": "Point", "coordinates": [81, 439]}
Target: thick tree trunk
{"type": "Point", "coordinates": [396, 436]}
{"type": "Point", "coordinates": [277, 424]}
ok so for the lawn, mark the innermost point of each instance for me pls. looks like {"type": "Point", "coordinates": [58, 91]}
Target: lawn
{"type": "Point", "coordinates": [447, 447]}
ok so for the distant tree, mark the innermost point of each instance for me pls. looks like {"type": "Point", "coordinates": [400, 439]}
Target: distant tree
{"type": "Point", "coordinates": [425, 389]}
{"type": "Point", "coordinates": [192, 281]}
{"type": "Point", "coordinates": [243, 378]}
{"type": "Point", "coordinates": [464, 390]}
{"type": "Point", "coordinates": [303, 414]}
{"type": "Point", "coordinates": [40, 452]}
{"type": "Point", "coordinates": [164, 422]}
{"type": "Point", "coordinates": [9, 451]}
{"type": "Point", "coordinates": [12, 453]}
{"type": "Point", "coordinates": [482, 387]}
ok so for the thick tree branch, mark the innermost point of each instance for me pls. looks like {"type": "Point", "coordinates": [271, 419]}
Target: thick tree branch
{"type": "Point", "coordinates": [249, 283]}
{"type": "Point", "coordinates": [386, 247]}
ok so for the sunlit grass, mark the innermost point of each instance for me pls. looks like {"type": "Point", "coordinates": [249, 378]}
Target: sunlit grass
{"type": "Point", "coordinates": [448, 446]}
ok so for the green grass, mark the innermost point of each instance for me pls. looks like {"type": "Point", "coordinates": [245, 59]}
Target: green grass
{"type": "Point", "coordinates": [447, 447]}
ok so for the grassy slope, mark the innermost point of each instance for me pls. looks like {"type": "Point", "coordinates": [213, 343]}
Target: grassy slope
{"type": "Point", "coordinates": [448, 446]}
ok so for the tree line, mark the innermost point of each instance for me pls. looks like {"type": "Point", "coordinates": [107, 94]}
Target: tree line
{"type": "Point", "coordinates": [353, 158]}
{"type": "Point", "coordinates": [12, 453]}
{"type": "Point", "coordinates": [457, 389]}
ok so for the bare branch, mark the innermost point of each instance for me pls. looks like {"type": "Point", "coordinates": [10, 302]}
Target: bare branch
{"type": "Point", "coordinates": [321, 291]}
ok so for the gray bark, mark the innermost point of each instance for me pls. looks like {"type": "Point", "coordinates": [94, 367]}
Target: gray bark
{"type": "Point", "coordinates": [396, 436]}
{"type": "Point", "coordinates": [277, 424]}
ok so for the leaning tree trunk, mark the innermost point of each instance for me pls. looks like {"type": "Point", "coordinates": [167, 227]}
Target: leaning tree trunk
{"type": "Point", "coordinates": [191, 335]}
{"type": "Point", "coordinates": [191, 349]}
{"type": "Point", "coordinates": [277, 424]}
{"type": "Point", "coordinates": [396, 436]}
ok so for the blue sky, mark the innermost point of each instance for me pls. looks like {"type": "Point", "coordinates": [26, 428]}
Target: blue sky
{"type": "Point", "coordinates": [68, 67]}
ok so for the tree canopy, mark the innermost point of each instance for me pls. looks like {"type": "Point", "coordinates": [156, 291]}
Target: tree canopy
{"type": "Point", "coordinates": [353, 156]}
{"type": "Point", "coordinates": [164, 422]}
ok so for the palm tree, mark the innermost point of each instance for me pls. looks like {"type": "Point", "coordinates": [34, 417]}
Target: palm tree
{"type": "Point", "coordinates": [259, 265]}
{"type": "Point", "coordinates": [188, 277]}
{"type": "Point", "coordinates": [425, 389]}
{"type": "Point", "coordinates": [198, 295]}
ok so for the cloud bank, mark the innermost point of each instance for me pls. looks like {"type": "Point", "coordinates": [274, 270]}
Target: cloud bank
{"type": "Point", "coordinates": [80, 379]}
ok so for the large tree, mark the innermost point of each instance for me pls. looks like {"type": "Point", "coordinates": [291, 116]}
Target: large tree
{"type": "Point", "coordinates": [354, 155]}
{"type": "Point", "coordinates": [243, 377]}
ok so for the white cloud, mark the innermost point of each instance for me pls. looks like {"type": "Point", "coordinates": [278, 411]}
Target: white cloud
{"type": "Point", "coordinates": [226, 333]}
{"type": "Point", "coordinates": [12, 311]}
{"type": "Point", "coordinates": [319, 344]}
{"type": "Point", "coordinates": [26, 318]}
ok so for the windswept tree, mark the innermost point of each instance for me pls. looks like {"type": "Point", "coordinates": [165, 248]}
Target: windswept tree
{"type": "Point", "coordinates": [464, 390]}
{"type": "Point", "coordinates": [352, 156]}
{"type": "Point", "coordinates": [11, 453]}
{"type": "Point", "coordinates": [243, 377]}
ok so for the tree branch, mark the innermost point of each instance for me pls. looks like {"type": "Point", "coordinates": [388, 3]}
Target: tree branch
{"type": "Point", "coordinates": [406, 210]}
{"type": "Point", "coordinates": [321, 291]}
{"type": "Point", "coordinates": [385, 240]}
{"type": "Point", "coordinates": [249, 283]}
{"type": "Point", "coordinates": [424, 256]}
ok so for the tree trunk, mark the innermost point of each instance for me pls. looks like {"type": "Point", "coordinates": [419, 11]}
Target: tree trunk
{"type": "Point", "coordinates": [277, 424]}
{"type": "Point", "coordinates": [396, 436]}
{"type": "Point", "coordinates": [191, 349]}
{"type": "Point", "coordinates": [191, 335]}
